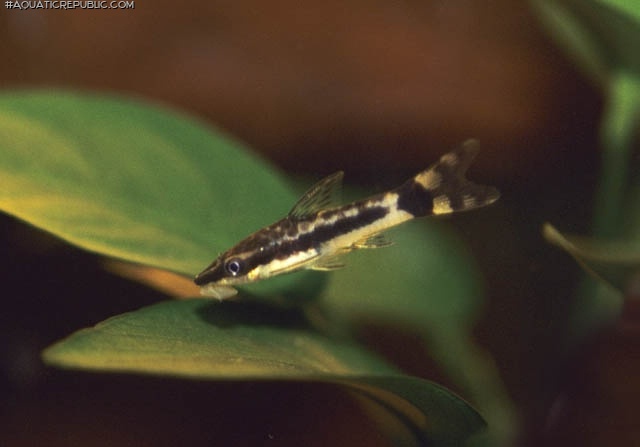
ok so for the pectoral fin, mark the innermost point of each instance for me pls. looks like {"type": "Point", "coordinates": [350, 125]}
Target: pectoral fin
{"type": "Point", "coordinates": [327, 263]}
{"type": "Point", "coordinates": [377, 240]}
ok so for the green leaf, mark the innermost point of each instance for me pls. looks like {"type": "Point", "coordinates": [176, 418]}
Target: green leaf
{"type": "Point", "coordinates": [427, 283]}
{"type": "Point", "coordinates": [599, 302]}
{"type": "Point", "coordinates": [603, 36]}
{"type": "Point", "coordinates": [620, 120]}
{"type": "Point", "coordinates": [628, 8]}
{"type": "Point", "coordinates": [615, 262]}
{"type": "Point", "coordinates": [426, 279]}
{"type": "Point", "coordinates": [145, 185]}
{"type": "Point", "coordinates": [131, 181]}
{"type": "Point", "coordinates": [234, 340]}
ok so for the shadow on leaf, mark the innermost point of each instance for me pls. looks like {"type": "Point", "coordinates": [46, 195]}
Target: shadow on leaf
{"type": "Point", "coordinates": [228, 314]}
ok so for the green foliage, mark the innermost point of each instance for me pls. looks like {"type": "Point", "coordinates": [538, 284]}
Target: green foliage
{"type": "Point", "coordinates": [615, 263]}
{"type": "Point", "coordinates": [144, 185]}
{"type": "Point", "coordinates": [131, 182]}
{"type": "Point", "coordinates": [427, 290]}
{"type": "Point", "coordinates": [603, 36]}
{"type": "Point", "coordinates": [249, 341]}
{"type": "Point", "coordinates": [600, 35]}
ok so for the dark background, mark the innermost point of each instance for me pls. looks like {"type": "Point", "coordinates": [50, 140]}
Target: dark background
{"type": "Point", "coordinates": [375, 89]}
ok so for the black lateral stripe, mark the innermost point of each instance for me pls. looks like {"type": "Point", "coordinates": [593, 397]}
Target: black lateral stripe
{"type": "Point", "coordinates": [320, 234]}
{"type": "Point", "coordinates": [343, 225]}
{"type": "Point", "coordinates": [415, 199]}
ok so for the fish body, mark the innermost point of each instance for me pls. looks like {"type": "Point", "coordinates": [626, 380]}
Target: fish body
{"type": "Point", "coordinates": [317, 233]}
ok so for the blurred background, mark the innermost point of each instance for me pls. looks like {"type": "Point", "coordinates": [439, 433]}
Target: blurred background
{"type": "Point", "coordinates": [379, 90]}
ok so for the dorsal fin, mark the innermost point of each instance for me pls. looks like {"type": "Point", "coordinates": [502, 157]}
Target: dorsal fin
{"type": "Point", "coordinates": [320, 196]}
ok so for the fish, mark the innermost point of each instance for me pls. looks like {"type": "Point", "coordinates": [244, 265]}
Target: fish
{"type": "Point", "coordinates": [318, 231]}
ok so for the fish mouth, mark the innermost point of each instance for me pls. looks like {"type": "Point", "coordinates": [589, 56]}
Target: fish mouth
{"type": "Point", "coordinates": [202, 278]}
{"type": "Point", "coordinates": [212, 285]}
{"type": "Point", "coordinates": [217, 291]}
{"type": "Point", "coordinates": [208, 275]}
{"type": "Point", "coordinates": [211, 278]}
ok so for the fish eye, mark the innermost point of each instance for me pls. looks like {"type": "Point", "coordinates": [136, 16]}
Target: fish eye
{"type": "Point", "coordinates": [233, 266]}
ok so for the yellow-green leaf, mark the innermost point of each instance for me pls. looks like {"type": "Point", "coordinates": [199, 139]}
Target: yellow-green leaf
{"type": "Point", "coordinates": [232, 340]}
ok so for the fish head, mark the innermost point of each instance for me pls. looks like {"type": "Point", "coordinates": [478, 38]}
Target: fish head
{"type": "Point", "coordinates": [229, 269]}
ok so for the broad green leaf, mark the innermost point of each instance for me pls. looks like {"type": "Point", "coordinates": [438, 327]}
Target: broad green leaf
{"type": "Point", "coordinates": [233, 340]}
{"type": "Point", "coordinates": [131, 181]}
{"type": "Point", "coordinates": [438, 418]}
{"type": "Point", "coordinates": [144, 185]}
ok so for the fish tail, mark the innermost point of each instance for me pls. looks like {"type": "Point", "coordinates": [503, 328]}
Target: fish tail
{"type": "Point", "coordinates": [443, 188]}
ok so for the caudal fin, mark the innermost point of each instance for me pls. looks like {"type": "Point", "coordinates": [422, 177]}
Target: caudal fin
{"type": "Point", "coordinates": [443, 188]}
